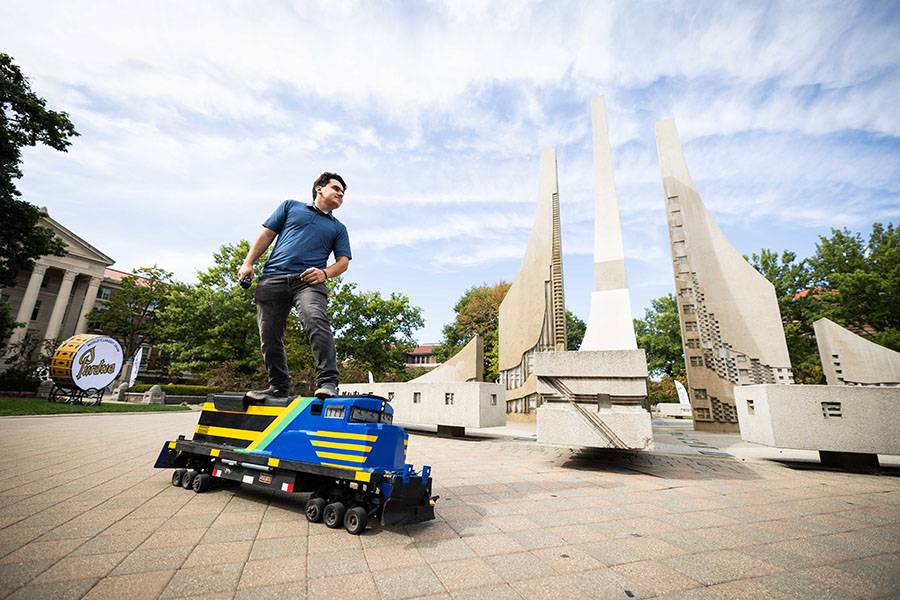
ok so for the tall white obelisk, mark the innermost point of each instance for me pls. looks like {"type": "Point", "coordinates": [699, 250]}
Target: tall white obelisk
{"type": "Point", "coordinates": [609, 325]}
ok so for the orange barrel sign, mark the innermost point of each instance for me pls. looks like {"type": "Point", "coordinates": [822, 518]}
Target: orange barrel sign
{"type": "Point", "coordinates": [86, 362]}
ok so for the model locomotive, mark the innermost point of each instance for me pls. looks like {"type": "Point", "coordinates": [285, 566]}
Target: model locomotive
{"type": "Point", "coordinates": [344, 450]}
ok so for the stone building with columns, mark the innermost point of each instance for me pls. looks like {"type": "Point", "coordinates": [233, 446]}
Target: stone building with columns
{"type": "Point", "coordinates": [54, 298]}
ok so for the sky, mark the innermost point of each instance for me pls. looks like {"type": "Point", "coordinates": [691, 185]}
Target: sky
{"type": "Point", "coordinates": [198, 118]}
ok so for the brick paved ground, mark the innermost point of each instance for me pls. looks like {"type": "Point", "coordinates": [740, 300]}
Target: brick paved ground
{"type": "Point", "coordinates": [83, 513]}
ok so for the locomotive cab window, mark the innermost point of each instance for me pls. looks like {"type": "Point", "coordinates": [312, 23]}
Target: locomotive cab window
{"type": "Point", "coordinates": [334, 412]}
{"type": "Point", "coordinates": [315, 409]}
{"type": "Point", "coordinates": [363, 415]}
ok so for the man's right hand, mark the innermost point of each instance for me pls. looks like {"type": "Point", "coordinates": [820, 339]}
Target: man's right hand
{"type": "Point", "coordinates": [246, 272]}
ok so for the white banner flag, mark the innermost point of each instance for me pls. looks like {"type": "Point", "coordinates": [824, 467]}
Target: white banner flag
{"type": "Point", "coordinates": [682, 394]}
{"type": "Point", "coordinates": [136, 366]}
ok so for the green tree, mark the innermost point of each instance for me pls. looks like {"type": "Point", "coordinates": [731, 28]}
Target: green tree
{"type": "Point", "coordinates": [659, 334]}
{"type": "Point", "coordinates": [843, 252]}
{"type": "Point", "coordinates": [846, 280]}
{"type": "Point", "coordinates": [866, 295]}
{"type": "Point", "coordinates": [786, 274]}
{"type": "Point", "coordinates": [373, 332]}
{"type": "Point", "coordinates": [664, 389]}
{"type": "Point", "coordinates": [212, 323]}
{"type": "Point", "coordinates": [210, 329]}
{"type": "Point", "coordinates": [24, 121]}
{"type": "Point", "coordinates": [575, 329]}
{"type": "Point", "coordinates": [131, 315]}
{"type": "Point", "coordinates": [477, 312]}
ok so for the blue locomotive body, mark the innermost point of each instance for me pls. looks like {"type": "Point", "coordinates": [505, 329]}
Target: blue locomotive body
{"type": "Point", "coordinates": [344, 449]}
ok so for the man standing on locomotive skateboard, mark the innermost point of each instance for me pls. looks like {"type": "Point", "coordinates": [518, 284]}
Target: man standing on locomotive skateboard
{"type": "Point", "coordinates": [294, 276]}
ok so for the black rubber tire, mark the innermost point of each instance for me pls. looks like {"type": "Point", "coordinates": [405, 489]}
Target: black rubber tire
{"type": "Point", "coordinates": [334, 515]}
{"type": "Point", "coordinates": [355, 520]}
{"type": "Point", "coordinates": [314, 509]}
{"type": "Point", "coordinates": [201, 483]}
{"type": "Point", "coordinates": [187, 480]}
{"type": "Point", "coordinates": [176, 477]}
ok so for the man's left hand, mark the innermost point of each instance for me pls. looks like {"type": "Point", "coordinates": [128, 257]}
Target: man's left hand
{"type": "Point", "coordinates": [313, 276]}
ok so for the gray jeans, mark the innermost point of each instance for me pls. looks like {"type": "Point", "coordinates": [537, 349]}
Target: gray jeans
{"type": "Point", "coordinates": [275, 296]}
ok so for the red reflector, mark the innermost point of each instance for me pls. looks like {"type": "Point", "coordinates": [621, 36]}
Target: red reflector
{"type": "Point", "coordinates": [216, 472]}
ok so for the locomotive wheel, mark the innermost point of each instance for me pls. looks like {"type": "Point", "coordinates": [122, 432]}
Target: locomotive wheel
{"type": "Point", "coordinates": [201, 483]}
{"type": "Point", "coordinates": [314, 509]}
{"type": "Point", "coordinates": [334, 515]}
{"type": "Point", "coordinates": [176, 476]}
{"type": "Point", "coordinates": [187, 480]}
{"type": "Point", "coordinates": [355, 520]}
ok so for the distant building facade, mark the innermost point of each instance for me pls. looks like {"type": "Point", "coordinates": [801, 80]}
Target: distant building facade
{"type": "Point", "coordinates": [422, 357]}
{"type": "Point", "coordinates": [54, 298]}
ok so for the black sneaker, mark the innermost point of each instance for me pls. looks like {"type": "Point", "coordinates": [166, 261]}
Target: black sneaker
{"type": "Point", "coordinates": [268, 394]}
{"type": "Point", "coordinates": [326, 390]}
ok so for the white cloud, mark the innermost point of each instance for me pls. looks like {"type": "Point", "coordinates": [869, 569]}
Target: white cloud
{"type": "Point", "coordinates": [198, 118]}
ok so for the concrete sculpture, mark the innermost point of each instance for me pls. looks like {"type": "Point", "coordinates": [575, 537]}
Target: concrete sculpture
{"type": "Point", "coordinates": [609, 325]}
{"type": "Point", "coordinates": [533, 313]}
{"type": "Point", "coordinates": [465, 365]}
{"type": "Point", "coordinates": [595, 397]}
{"type": "Point", "coordinates": [848, 359]}
{"type": "Point", "coordinates": [848, 426]}
{"type": "Point", "coordinates": [731, 327]}
{"type": "Point", "coordinates": [452, 397]}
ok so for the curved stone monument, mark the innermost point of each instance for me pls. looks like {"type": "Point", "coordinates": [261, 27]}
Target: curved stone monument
{"type": "Point", "coordinates": [452, 397]}
{"type": "Point", "coordinates": [849, 359]}
{"type": "Point", "coordinates": [465, 365]}
{"type": "Point", "coordinates": [731, 327]}
{"type": "Point", "coordinates": [533, 313]}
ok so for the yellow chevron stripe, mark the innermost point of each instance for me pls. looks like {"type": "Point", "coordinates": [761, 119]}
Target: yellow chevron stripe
{"type": "Point", "coordinates": [347, 436]}
{"type": "Point", "coordinates": [271, 411]}
{"type": "Point", "coordinates": [340, 446]}
{"type": "Point", "coordinates": [336, 456]}
{"type": "Point", "coordinates": [341, 466]}
{"type": "Point", "coordinates": [238, 434]}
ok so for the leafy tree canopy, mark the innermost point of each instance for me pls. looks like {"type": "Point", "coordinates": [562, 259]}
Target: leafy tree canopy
{"type": "Point", "coordinates": [131, 315]}
{"type": "Point", "coordinates": [213, 322]}
{"type": "Point", "coordinates": [24, 121]}
{"type": "Point", "coordinates": [851, 282]}
{"type": "Point", "coordinates": [477, 312]}
{"type": "Point", "coordinates": [210, 328]}
{"type": "Point", "coordinates": [784, 272]}
{"type": "Point", "coordinates": [372, 331]}
{"type": "Point", "coordinates": [659, 334]}
{"type": "Point", "coordinates": [575, 329]}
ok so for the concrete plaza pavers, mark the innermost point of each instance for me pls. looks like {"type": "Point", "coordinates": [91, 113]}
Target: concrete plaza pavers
{"type": "Point", "coordinates": [84, 514]}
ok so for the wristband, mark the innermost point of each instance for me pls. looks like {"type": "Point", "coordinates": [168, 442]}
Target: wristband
{"type": "Point", "coordinates": [325, 273]}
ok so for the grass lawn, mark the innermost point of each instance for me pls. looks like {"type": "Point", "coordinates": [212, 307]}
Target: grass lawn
{"type": "Point", "coordinates": [39, 406]}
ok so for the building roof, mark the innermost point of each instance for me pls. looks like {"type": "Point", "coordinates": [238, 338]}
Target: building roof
{"type": "Point", "coordinates": [115, 275]}
{"type": "Point", "coordinates": [424, 349]}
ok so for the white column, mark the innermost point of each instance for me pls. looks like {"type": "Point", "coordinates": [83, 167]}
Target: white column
{"type": "Point", "coordinates": [59, 307]}
{"type": "Point", "coordinates": [90, 296]}
{"type": "Point", "coordinates": [27, 306]}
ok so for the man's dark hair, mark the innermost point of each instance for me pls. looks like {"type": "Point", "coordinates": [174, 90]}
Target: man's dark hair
{"type": "Point", "coordinates": [323, 180]}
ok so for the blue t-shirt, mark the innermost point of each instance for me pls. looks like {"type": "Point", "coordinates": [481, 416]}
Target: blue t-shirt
{"type": "Point", "coordinates": [306, 237]}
